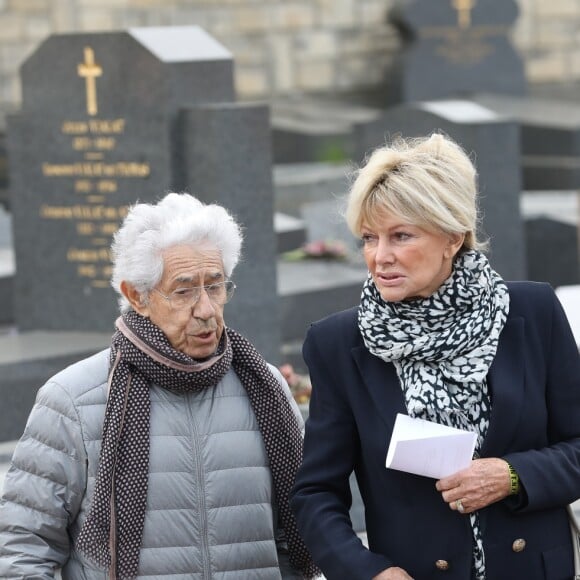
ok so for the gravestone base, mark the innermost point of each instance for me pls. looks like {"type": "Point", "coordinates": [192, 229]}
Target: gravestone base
{"type": "Point", "coordinates": [290, 232]}
{"type": "Point", "coordinates": [312, 289]}
{"type": "Point", "coordinates": [28, 360]}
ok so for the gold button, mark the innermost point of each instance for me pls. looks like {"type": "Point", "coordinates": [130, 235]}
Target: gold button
{"type": "Point", "coordinates": [442, 565]}
{"type": "Point", "coordinates": [519, 545]}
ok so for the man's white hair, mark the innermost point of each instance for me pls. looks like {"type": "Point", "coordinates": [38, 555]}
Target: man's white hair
{"type": "Point", "coordinates": [178, 219]}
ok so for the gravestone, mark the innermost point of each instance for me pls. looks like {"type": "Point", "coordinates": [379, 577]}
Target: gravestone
{"type": "Point", "coordinates": [108, 119]}
{"type": "Point", "coordinates": [454, 47]}
{"type": "Point", "coordinates": [550, 139]}
{"type": "Point", "coordinates": [551, 221]}
{"type": "Point", "coordinates": [552, 251]}
{"type": "Point", "coordinates": [492, 142]}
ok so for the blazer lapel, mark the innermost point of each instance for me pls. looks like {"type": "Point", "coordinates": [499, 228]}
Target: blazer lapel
{"type": "Point", "coordinates": [382, 383]}
{"type": "Point", "coordinates": [506, 385]}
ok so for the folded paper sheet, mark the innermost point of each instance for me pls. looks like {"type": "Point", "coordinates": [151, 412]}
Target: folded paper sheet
{"type": "Point", "coordinates": [429, 449]}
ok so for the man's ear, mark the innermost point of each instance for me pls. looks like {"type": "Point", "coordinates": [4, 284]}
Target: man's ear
{"type": "Point", "coordinates": [135, 298]}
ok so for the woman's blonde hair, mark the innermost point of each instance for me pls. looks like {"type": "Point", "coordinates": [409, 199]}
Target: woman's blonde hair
{"type": "Point", "coordinates": [429, 182]}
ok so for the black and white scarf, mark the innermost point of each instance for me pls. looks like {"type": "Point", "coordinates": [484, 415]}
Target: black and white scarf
{"type": "Point", "coordinates": [442, 347]}
{"type": "Point", "coordinates": [140, 357]}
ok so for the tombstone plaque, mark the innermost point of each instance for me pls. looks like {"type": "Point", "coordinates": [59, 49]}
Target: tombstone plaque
{"type": "Point", "coordinates": [454, 47]}
{"type": "Point", "coordinates": [102, 127]}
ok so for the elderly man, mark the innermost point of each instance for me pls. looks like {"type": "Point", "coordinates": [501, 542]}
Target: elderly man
{"type": "Point", "coordinates": [171, 454]}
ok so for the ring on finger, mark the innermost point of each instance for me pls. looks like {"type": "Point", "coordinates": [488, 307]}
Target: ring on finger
{"type": "Point", "coordinates": [459, 506]}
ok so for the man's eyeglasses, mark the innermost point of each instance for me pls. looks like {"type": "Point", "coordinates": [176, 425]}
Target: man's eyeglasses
{"type": "Point", "coordinates": [188, 297]}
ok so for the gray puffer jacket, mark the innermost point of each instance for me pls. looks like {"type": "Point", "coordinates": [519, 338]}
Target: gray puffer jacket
{"type": "Point", "coordinates": [210, 512]}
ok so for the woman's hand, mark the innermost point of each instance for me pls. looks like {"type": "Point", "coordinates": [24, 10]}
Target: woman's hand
{"type": "Point", "coordinates": [393, 574]}
{"type": "Point", "coordinates": [484, 482]}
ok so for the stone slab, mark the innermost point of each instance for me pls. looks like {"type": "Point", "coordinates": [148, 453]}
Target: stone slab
{"type": "Point", "coordinates": [312, 289]}
{"type": "Point", "coordinates": [27, 361]}
{"type": "Point", "coordinates": [290, 232]}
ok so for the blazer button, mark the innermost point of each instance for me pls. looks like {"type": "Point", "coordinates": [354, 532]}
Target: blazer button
{"type": "Point", "coordinates": [519, 545]}
{"type": "Point", "coordinates": [442, 565]}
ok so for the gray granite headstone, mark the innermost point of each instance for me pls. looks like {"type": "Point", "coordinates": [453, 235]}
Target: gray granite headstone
{"type": "Point", "coordinates": [104, 123]}
{"type": "Point", "coordinates": [454, 47]}
{"type": "Point", "coordinates": [494, 143]}
{"type": "Point", "coordinates": [550, 139]}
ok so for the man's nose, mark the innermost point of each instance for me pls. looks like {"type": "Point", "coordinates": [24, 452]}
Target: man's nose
{"type": "Point", "coordinates": [204, 308]}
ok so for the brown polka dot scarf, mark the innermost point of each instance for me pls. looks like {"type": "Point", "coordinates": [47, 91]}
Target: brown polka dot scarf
{"type": "Point", "coordinates": [141, 356]}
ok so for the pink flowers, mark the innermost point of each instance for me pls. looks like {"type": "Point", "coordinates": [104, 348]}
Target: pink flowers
{"type": "Point", "coordinates": [319, 249]}
{"type": "Point", "coordinates": [299, 384]}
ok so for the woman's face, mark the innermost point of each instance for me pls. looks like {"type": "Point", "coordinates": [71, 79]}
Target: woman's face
{"type": "Point", "coordinates": [407, 261]}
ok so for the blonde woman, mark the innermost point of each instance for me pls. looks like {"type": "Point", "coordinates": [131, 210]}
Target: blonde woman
{"type": "Point", "coordinates": [438, 335]}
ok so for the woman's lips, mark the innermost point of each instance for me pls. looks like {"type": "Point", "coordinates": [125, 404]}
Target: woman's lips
{"type": "Point", "coordinates": [390, 279]}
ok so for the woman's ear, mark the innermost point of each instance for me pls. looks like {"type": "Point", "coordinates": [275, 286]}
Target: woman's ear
{"type": "Point", "coordinates": [135, 298]}
{"type": "Point", "coordinates": [454, 245]}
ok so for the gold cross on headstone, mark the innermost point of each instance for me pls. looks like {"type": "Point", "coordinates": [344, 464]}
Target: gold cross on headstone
{"type": "Point", "coordinates": [90, 71]}
{"type": "Point", "coordinates": [464, 8]}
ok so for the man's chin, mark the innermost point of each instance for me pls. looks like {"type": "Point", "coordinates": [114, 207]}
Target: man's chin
{"type": "Point", "coordinates": [203, 350]}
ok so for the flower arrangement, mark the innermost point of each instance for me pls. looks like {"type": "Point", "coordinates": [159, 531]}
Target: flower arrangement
{"type": "Point", "coordinates": [300, 385]}
{"type": "Point", "coordinates": [319, 249]}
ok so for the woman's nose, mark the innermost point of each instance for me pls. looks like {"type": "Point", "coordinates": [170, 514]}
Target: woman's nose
{"type": "Point", "coordinates": [384, 253]}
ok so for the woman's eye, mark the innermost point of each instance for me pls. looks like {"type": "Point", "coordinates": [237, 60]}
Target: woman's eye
{"type": "Point", "coordinates": [366, 238]}
{"type": "Point", "coordinates": [402, 236]}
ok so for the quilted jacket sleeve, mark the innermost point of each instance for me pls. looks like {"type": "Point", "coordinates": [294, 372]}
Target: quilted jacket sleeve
{"type": "Point", "coordinates": [43, 489]}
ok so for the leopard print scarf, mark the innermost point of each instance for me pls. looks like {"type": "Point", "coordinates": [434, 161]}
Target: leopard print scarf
{"type": "Point", "coordinates": [442, 347]}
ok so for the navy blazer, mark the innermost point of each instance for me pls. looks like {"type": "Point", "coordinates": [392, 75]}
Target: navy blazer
{"type": "Point", "coordinates": [534, 383]}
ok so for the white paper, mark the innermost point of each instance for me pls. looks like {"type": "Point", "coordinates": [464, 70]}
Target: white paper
{"type": "Point", "coordinates": [429, 449]}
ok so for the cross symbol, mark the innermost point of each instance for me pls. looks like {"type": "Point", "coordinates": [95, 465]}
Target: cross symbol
{"type": "Point", "coordinates": [464, 8]}
{"type": "Point", "coordinates": [90, 71]}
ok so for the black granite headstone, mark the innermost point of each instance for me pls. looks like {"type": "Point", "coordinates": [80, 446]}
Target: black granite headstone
{"type": "Point", "coordinates": [552, 251]}
{"type": "Point", "coordinates": [495, 146]}
{"type": "Point", "coordinates": [102, 127]}
{"type": "Point", "coordinates": [96, 133]}
{"type": "Point", "coordinates": [454, 47]}
{"type": "Point", "coordinates": [227, 159]}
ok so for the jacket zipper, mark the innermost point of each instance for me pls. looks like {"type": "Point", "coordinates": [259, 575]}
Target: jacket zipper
{"type": "Point", "coordinates": [199, 476]}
